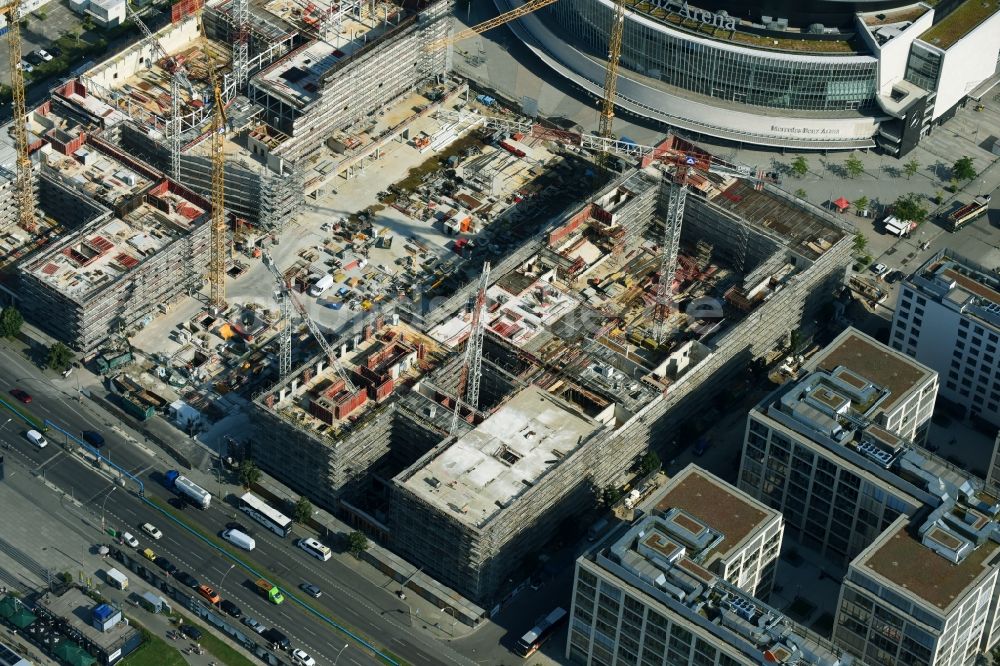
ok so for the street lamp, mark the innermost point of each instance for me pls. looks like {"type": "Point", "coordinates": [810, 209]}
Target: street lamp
{"type": "Point", "coordinates": [337, 658]}
{"type": "Point", "coordinates": [450, 611]}
{"type": "Point", "coordinates": [104, 503]}
{"type": "Point", "coordinates": [223, 579]}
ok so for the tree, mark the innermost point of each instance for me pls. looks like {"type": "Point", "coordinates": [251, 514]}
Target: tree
{"type": "Point", "coordinates": [911, 168]}
{"type": "Point", "coordinates": [611, 494]}
{"type": "Point", "coordinates": [649, 463]}
{"type": "Point", "coordinates": [795, 340]}
{"type": "Point", "coordinates": [860, 243]}
{"type": "Point", "coordinates": [800, 166]}
{"type": "Point", "coordinates": [800, 193]}
{"type": "Point", "coordinates": [249, 473]}
{"type": "Point", "coordinates": [908, 208]}
{"type": "Point", "coordinates": [60, 357]}
{"type": "Point", "coordinates": [964, 169]}
{"type": "Point", "coordinates": [302, 511]}
{"type": "Point", "coordinates": [357, 543]}
{"type": "Point", "coordinates": [938, 197]}
{"type": "Point", "coordinates": [861, 203]}
{"type": "Point", "coordinates": [10, 322]}
{"type": "Point", "coordinates": [855, 167]}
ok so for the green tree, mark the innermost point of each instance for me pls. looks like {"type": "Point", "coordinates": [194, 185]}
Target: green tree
{"type": "Point", "coordinates": [861, 203]}
{"type": "Point", "coordinates": [611, 494]}
{"type": "Point", "coordinates": [302, 511]}
{"type": "Point", "coordinates": [800, 193]}
{"type": "Point", "coordinates": [963, 169]}
{"type": "Point", "coordinates": [855, 167]}
{"type": "Point", "coordinates": [10, 322]}
{"type": "Point", "coordinates": [911, 168]}
{"type": "Point", "coordinates": [60, 357]}
{"type": "Point", "coordinates": [860, 243]}
{"type": "Point", "coordinates": [800, 166]}
{"type": "Point", "coordinates": [938, 197]}
{"type": "Point", "coordinates": [907, 207]}
{"type": "Point", "coordinates": [249, 473]}
{"type": "Point", "coordinates": [649, 463]}
{"type": "Point", "coordinates": [357, 543]}
{"type": "Point", "coordinates": [795, 340]}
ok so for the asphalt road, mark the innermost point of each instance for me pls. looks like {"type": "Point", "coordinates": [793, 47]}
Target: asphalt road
{"type": "Point", "coordinates": [373, 611]}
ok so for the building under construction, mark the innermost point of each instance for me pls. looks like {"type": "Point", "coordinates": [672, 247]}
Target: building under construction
{"type": "Point", "coordinates": [573, 386]}
{"type": "Point", "coordinates": [313, 71]}
{"type": "Point", "coordinates": [137, 240]}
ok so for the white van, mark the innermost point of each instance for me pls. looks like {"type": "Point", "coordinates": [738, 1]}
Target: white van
{"type": "Point", "coordinates": [321, 285]}
{"type": "Point", "coordinates": [36, 438]}
{"type": "Point", "coordinates": [240, 539]}
{"type": "Point", "coordinates": [116, 578]}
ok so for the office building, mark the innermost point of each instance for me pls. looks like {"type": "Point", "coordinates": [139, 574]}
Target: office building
{"type": "Point", "coordinates": [948, 318]}
{"type": "Point", "coordinates": [653, 592]}
{"type": "Point", "coordinates": [803, 75]}
{"type": "Point", "coordinates": [817, 450]}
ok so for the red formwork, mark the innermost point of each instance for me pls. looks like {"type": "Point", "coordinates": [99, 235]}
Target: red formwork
{"type": "Point", "coordinates": [184, 8]}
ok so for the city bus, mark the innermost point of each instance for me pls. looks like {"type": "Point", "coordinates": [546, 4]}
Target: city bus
{"type": "Point", "coordinates": [265, 514]}
{"type": "Point", "coordinates": [315, 548]}
{"type": "Point", "coordinates": [541, 632]}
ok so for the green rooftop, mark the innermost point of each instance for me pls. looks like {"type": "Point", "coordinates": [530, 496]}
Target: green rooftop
{"type": "Point", "coordinates": [960, 22]}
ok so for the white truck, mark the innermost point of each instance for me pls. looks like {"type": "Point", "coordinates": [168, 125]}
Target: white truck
{"type": "Point", "coordinates": [898, 227]}
{"type": "Point", "coordinates": [239, 539]}
{"type": "Point", "coordinates": [189, 488]}
{"type": "Point", "coordinates": [116, 578]}
{"type": "Point", "coordinates": [321, 285]}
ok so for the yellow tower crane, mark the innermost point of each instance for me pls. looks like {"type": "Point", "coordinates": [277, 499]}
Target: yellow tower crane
{"type": "Point", "coordinates": [24, 188]}
{"type": "Point", "coordinates": [217, 262]}
{"type": "Point", "coordinates": [607, 115]}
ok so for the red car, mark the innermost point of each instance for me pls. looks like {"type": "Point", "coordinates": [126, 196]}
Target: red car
{"type": "Point", "coordinates": [23, 396]}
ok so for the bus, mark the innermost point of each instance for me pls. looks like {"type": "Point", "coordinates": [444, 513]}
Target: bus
{"type": "Point", "coordinates": [315, 548]}
{"type": "Point", "coordinates": [266, 515]}
{"type": "Point", "coordinates": [541, 632]}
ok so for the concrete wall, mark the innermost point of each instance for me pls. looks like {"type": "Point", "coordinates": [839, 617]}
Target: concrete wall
{"type": "Point", "coordinates": [967, 64]}
{"type": "Point", "coordinates": [113, 72]}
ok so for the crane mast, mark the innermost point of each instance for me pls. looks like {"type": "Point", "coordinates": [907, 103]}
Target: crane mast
{"type": "Point", "coordinates": [472, 365]}
{"type": "Point", "coordinates": [217, 261]}
{"type": "Point", "coordinates": [606, 121]}
{"type": "Point", "coordinates": [24, 184]}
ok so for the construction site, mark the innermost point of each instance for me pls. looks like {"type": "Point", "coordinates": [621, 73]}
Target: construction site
{"type": "Point", "coordinates": [399, 283]}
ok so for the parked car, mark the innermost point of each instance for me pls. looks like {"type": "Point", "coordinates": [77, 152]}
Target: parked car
{"type": "Point", "coordinates": [211, 595]}
{"type": "Point", "coordinates": [36, 438]}
{"type": "Point", "coordinates": [149, 555]}
{"type": "Point", "coordinates": [184, 578]}
{"type": "Point", "coordinates": [44, 55]}
{"type": "Point", "coordinates": [194, 633]}
{"type": "Point", "coordinates": [55, 51]}
{"type": "Point", "coordinates": [93, 438]}
{"type": "Point", "coordinates": [34, 58]}
{"type": "Point", "coordinates": [26, 67]}
{"type": "Point", "coordinates": [165, 564]}
{"type": "Point", "coordinates": [880, 269]}
{"type": "Point", "coordinates": [21, 395]}
{"type": "Point", "coordinates": [152, 530]}
{"type": "Point", "coordinates": [231, 609]}
{"type": "Point", "coordinates": [130, 540]}
{"type": "Point", "coordinates": [302, 658]}
{"type": "Point", "coordinates": [276, 639]}
{"type": "Point", "coordinates": [254, 624]}
{"type": "Point", "coordinates": [312, 590]}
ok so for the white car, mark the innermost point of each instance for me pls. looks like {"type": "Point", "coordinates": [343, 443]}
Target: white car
{"type": "Point", "coordinates": [880, 269]}
{"type": "Point", "coordinates": [130, 540]}
{"type": "Point", "coordinates": [151, 530]}
{"type": "Point", "coordinates": [44, 55]}
{"type": "Point", "coordinates": [302, 657]}
{"type": "Point", "coordinates": [26, 67]}
{"type": "Point", "coordinates": [36, 438]}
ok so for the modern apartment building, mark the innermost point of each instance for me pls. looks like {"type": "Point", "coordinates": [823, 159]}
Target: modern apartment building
{"type": "Point", "coordinates": [665, 590]}
{"type": "Point", "coordinates": [924, 592]}
{"type": "Point", "coordinates": [948, 317]}
{"type": "Point", "coordinates": [817, 449]}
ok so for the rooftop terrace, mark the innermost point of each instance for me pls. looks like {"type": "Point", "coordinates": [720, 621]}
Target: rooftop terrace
{"type": "Point", "coordinates": [477, 476]}
{"type": "Point", "coordinates": [961, 285]}
{"type": "Point", "coordinates": [960, 22]}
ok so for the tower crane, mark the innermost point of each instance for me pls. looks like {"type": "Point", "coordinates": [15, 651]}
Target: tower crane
{"type": "Point", "coordinates": [178, 78]}
{"type": "Point", "coordinates": [472, 365]}
{"type": "Point", "coordinates": [24, 185]}
{"type": "Point", "coordinates": [606, 121]}
{"type": "Point", "coordinates": [217, 261]}
{"type": "Point", "coordinates": [495, 22]}
{"type": "Point", "coordinates": [289, 296]}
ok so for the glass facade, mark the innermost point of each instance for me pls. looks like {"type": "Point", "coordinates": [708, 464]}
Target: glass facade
{"type": "Point", "coordinates": [744, 76]}
{"type": "Point", "coordinates": [923, 67]}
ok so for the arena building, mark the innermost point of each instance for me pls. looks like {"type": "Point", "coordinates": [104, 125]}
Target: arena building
{"type": "Point", "coordinates": [820, 75]}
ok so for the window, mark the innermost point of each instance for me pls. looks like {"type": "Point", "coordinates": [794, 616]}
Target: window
{"type": "Point", "coordinates": [963, 334]}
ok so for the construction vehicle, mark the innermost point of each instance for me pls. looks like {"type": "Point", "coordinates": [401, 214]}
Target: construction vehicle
{"type": "Point", "coordinates": [24, 188]}
{"type": "Point", "coordinates": [968, 212]}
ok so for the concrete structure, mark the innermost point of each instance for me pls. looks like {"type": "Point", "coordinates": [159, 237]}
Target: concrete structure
{"type": "Point", "coordinates": [657, 592]}
{"type": "Point", "coordinates": [805, 75]}
{"type": "Point", "coordinates": [817, 450]}
{"type": "Point", "coordinates": [139, 241]}
{"type": "Point", "coordinates": [106, 13]}
{"type": "Point", "coordinates": [10, 658]}
{"type": "Point", "coordinates": [115, 641]}
{"type": "Point", "coordinates": [948, 317]}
